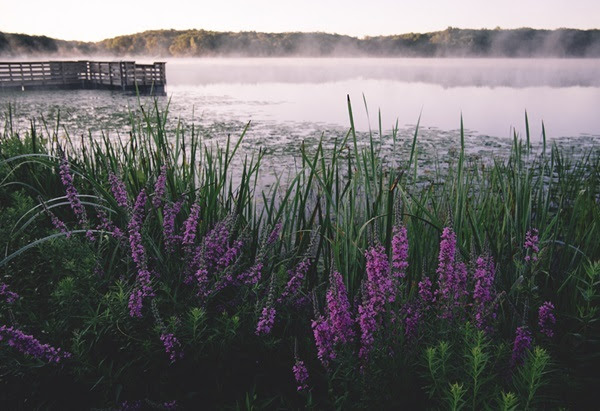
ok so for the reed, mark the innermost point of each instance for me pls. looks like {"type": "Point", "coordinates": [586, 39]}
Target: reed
{"type": "Point", "coordinates": [327, 212]}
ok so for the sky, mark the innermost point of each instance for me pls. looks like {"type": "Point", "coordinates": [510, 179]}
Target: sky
{"type": "Point", "coordinates": [96, 20]}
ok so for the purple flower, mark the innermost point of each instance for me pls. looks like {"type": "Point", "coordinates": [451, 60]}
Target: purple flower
{"type": "Point", "coordinates": [531, 245]}
{"type": "Point", "coordinates": [170, 405]}
{"type": "Point", "coordinates": [8, 296]}
{"type": "Point", "coordinates": [252, 275]}
{"type": "Point", "coordinates": [378, 289]}
{"type": "Point", "coordinates": [546, 319]}
{"type": "Point", "coordinates": [131, 405]}
{"type": "Point", "coordinates": [142, 286]}
{"type": "Point", "coordinates": [297, 276]}
{"type": "Point", "coordinates": [170, 212]}
{"type": "Point", "coordinates": [379, 284]}
{"type": "Point", "coordinates": [425, 292]}
{"type": "Point", "coordinates": [411, 322]}
{"type": "Point", "coordinates": [324, 340]}
{"type": "Point", "coordinates": [266, 321]}
{"type": "Point", "coordinates": [338, 308]}
{"type": "Point", "coordinates": [300, 374]}
{"type": "Point", "coordinates": [190, 226]}
{"type": "Point", "coordinates": [29, 345]}
{"type": "Point", "coordinates": [445, 270]}
{"type": "Point", "coordinates": [215, 242]}
{"type": "Point", "coordinates": [72, 194]}
{"type": "Point", "coordinates": [172, 346]}
{"type": "Point", "coordinates": [202, 280]}
{"type": "Point", "coordinates": [400, 251]}
{"type": "Point", "coordinates": [521, 345]}
{"type": "Point", "coordinates": [58, 224]}
{"type": "Point", "coordinates": [141, 290]}
{"type": "Point", "coordinates": [160, 187]}
{"type": "Point", "coordinates": [368, 325]}
{"type": "Point", "coordinates": [452, 275]}
{"type": "Point", "coordinates": [134, 228]}
{"type": "Point", "coordinates": [483, 292]}
{"type": "Point", "coordinates": [230, 255]}
{"type": "Point", "coordinates": [275, 233]}
{"type": "Point", "coordinates": [118, 189]}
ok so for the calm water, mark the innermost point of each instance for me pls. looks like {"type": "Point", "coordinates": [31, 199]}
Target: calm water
{"type": "Point", "coordinates": [291, 100]}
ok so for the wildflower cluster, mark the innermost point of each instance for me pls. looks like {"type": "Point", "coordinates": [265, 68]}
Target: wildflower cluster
{"type": "Point", "coordinates": [521, 346]}
{"type": "Point", "coordinates": [300, 374]}
{"type": "Point", "coordinates": [7, 295]}
{"type": "Point", "coordinates": [531, 245]}
{"type": "Point", "coordinates": [483, 292]}
{"type": "Point", "coordinates": [160, 188]}
{"type": "Point", "coordinates": [378, 289]}
{"type": "Point", "coordinates": [172, 346]}
{"type": "Point", "coordinates": [143, 287]}
{"type": "Point", "coordinates": [119, 191]}
{"type": "Point", "coordinates": [296, 276]}
{"type": "Point", "coordinates": [546, 319]}
{"type": "Point", "coordinates": [27, 344]}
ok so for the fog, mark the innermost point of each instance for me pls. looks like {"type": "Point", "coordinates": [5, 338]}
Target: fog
{"type": "Point", "coordinates": [446, 72]}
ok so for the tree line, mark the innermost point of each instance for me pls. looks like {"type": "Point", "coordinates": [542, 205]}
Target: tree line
{"type": "Point", "coordinates": [451, 42]}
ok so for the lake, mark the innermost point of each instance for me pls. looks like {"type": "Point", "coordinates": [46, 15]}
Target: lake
{"type": "Point", "coordinates": [290, 100]}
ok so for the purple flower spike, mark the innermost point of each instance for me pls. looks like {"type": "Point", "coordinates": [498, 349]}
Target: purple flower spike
{"type": "Point", "coordinates": [379, 285]}
{"type": "Point", "coordinates": [72, 195]}
{"type": "Point", "coordinates": [190, 226]}
{"type": "Point", "coordinates": [8, 296]}
{"type": "Point", "coordinates": [275, 233]}
{"type": "Point", "coordinates": [445, 270]}
{"type": "Point", "coordinates": [59, 224]}
{"type": "Point", "coordinates": [339, 309]}
{"type": "Point", "coordinates": [172, 346]}
{"type": "Point", "coordinates": [118, 189]}
{"type": "Point", "coordinates": [138, 254]}
{"type": "Point", "coordinates": [411, 322]}
{"type": "Point", "coordinates": [169, 214]}
{"type": "Point", "coordinates": [301, 375]}
{"type": "Point", "coordinates": [29, 345]}
{"type": "Point", "coordinates": [521, 345]}
{"type": "Point", "coordinates": [266, 321]}
{"type": "Point", "coordinates": [531, 245]}
{"type": "Point", "coordinates": [425, 293]}
{"type": "Point", "coordinates": [252, 276]}
{"type": "Point", "coordinates": [368, 325]}
{"type": "Point", "coordinates": [324, 340]}
{"type": "Point", "coordinates": [160, 187]}
{"type": "Point", "coordinates": [546, 319]}
{"type": "Point", "coordinates": [483, 292]}
{"type": "Point", "coordinates": [400, 251]}
{"type": "Point", "coordinates": [296, 278]}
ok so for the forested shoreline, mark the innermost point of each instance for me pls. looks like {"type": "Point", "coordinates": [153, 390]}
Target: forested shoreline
{"type": "Point", "coordinates": [451, 42]}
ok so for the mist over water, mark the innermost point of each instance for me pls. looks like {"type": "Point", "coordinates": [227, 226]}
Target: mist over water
{"type": "Point", "coordinates": [291, 100]}
{"type": "Point", "coordinates": [491, 94]}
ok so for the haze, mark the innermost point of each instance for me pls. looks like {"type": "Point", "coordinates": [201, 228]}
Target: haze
{"type": "Point", "coordinates": [92, 21]}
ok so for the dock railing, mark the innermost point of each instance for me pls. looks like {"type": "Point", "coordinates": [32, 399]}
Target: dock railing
{"type": "Point", "coordinates": [84, 74]}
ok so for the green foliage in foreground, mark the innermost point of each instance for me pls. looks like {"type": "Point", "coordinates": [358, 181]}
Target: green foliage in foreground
{"type": "Point", "coordinates": [338, 206]}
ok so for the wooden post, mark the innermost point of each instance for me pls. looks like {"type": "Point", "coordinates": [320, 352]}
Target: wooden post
{"type": "Point", "coordinates": [123, 77]}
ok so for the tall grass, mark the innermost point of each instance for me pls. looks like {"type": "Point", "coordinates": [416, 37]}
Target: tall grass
{"type": "Point", "coordinates": [335, 205]}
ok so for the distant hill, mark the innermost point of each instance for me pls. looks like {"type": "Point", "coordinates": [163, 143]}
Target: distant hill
{"type": "Point", "coordinates": [452, 42]}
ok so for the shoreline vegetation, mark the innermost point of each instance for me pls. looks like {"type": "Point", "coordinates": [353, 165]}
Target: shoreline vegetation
{"type": "Point", "coordinates": [137, 274]}
{"type": "Point", "coordinates": [451, 42]}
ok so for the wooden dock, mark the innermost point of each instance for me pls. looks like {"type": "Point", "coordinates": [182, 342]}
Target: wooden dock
{"type": "Point", "coordinates": [112, 75]}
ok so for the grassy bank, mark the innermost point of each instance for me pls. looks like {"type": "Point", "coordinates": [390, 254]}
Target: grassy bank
{"type": "Point", "coordinates": [349, 284]}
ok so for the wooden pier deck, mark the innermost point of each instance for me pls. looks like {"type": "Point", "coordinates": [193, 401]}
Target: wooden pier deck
{"type": "Point", "coordinates": [113, 75]}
